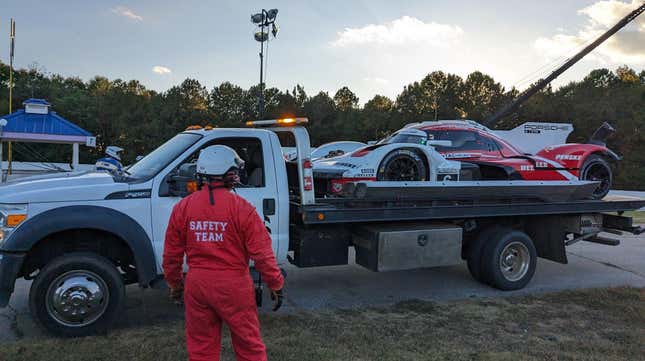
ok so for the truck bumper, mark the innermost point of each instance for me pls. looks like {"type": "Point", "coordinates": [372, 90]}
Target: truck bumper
{"type": "Point", "coordinates": [10, 264]}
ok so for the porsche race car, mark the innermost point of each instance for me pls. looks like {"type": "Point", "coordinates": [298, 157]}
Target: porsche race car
{"type": "Point", "coordinates": [458, 150]}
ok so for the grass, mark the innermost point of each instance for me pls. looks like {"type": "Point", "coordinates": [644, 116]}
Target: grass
{"type": "Point", "coordinates": [599, 324]}
{"type": "Point", "coordinates": [638, 216]}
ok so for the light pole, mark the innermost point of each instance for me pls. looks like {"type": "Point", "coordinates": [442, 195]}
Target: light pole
{"type": "Point", "coordinates": [3, 123]}
{"type": "Point", "coordinates": [264, 19]}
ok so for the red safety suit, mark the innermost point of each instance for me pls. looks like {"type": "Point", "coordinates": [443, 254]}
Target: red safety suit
{"type": "Point", "coordinates": [218, 241]}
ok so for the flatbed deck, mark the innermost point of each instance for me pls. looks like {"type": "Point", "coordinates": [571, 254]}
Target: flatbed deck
{"type": "Point", "coordinates": [340, 210]}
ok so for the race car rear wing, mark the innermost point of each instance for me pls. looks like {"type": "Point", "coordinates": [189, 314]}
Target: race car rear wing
{"type": "Point", "coordinates": [599, 137]}
{"type": "Point", "coordinates": [532, 137]}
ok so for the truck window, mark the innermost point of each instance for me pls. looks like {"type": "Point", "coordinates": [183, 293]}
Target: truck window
{"type": "Point", "coordinates": [250, 150]}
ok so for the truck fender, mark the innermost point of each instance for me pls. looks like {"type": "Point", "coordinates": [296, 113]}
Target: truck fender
{"type": "Point", "coordinates": [88, 217]}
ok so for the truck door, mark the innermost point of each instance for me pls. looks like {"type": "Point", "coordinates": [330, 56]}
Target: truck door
{"type": "Point", "coordinates": [258, 179]}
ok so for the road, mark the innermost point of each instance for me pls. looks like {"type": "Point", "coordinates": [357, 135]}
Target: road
{"type": "Point", "coordinates": [590, 265]}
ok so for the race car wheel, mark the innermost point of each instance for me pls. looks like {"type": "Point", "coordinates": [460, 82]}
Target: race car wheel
{"type": "Point", "coordinates": [402, 165]}
{"type": "Point", "coordinates": [595, 168]}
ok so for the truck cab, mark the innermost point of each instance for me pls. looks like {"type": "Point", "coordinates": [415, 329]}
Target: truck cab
{"type": "Point", "coordinates": [121, 220]}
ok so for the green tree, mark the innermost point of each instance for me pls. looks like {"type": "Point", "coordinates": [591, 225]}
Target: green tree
{"type": "Point", "coordinates": [437, 96]}
{"type": "Point", "coordinates": [345, 99]}
{"type": "Point", "coordinates": [481, 96]}
{"type": "Point", "coordinates": [227, 102]}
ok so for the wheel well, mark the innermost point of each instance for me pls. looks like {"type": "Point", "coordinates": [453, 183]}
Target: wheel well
{"type": "Point", "coordinates": [96, 241]}
{"type": "Point", "coordinates": [611, 161]}
{"type": "Point", "coordinates": [602, 155]}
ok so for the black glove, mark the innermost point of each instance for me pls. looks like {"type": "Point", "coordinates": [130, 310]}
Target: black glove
{"type": "Point", "coordinates": [176, 295]}
{"type": "Point", "coordinates": [276, 297]}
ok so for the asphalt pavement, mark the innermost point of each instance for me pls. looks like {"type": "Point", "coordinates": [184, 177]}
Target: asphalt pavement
{"type": "Point", "coordinates": [590, 265]}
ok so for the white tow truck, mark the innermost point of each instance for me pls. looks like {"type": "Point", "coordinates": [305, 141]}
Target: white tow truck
{"type": "Point", "coordinates": [82, 237]}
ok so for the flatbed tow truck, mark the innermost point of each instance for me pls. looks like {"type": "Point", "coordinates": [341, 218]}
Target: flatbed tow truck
{"type": "Point", "coordinates": [82, 237]}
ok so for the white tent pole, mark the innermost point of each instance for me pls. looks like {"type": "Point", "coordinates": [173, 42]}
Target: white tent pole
{"type": "Point", "coordinates": [75, 156]}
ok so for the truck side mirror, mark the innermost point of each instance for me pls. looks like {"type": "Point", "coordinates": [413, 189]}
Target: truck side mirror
{"type": "Point", "coordinates": [181, 182]}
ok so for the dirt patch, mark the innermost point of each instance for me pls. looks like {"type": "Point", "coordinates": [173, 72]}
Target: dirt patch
{"type": "Point", "coordinates": [600, 324]}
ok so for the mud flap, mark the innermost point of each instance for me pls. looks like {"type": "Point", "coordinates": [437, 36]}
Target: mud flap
{"type": "Point", "coordinates": [548, 234]}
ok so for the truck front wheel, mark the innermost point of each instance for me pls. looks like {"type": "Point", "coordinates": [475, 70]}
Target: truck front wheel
{"type": "Point", "coordinates": [508, 260]}
{"type": "Point", "coordinates": [77, 294]}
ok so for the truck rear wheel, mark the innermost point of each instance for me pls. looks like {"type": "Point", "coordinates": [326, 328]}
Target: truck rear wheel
{"type": "Point", "coordinates": [508, 260]}
{"type": "Point", "coordinates": [474, 251]}
{"type": "Point", "coordinates": [77, 294]}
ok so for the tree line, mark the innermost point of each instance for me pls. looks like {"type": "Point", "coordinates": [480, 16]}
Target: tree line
{"type": "Point", "coordinates": [125, 113]}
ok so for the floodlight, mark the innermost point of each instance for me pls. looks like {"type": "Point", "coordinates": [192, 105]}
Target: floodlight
{"type": "Point", "coordinates": [274, 29]}
{"type": "Point", "coordinates": [261, 36]}
{"type": "Point", "coordinates": [257, 18]}
{"type": "Point", "coordinates": [271, 14]}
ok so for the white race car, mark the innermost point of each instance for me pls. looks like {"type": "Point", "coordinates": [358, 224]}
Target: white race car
{"type": "Point", "coordinates": [327, 150]}
{"type": "Point", "coordinates": [335, 149]}
{"type": "Point", "coordinates": [406, 155]}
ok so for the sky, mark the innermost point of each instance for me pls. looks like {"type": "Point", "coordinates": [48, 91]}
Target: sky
{"type": "Point", "coordinates": [373, 47]}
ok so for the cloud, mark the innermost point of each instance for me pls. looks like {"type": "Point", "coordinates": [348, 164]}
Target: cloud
{"type": "Point", "coordinates": [405, 31]}
{"type": "Point", "coordinates": [626, 46]}
{"type": "Point", "coordinates": [161, 70]}
{"type": "Point", "coordinates": [376, 80]}
{"type": "Point", "coordinates": [128, 13]}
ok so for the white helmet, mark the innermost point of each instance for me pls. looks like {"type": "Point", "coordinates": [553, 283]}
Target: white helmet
{"type": "Point", "coordinates": [216, 160]}
{"type": "Point", "coordinates": [113, 151]}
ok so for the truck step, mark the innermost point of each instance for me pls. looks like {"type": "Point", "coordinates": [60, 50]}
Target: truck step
{"type": "Point", "coordinates": [603, 240]}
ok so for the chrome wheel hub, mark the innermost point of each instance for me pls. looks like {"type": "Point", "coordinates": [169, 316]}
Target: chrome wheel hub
{"type": "Point", "coordinates": [514, 261]}
{"type": "Point", "coordinates": [77, 298]}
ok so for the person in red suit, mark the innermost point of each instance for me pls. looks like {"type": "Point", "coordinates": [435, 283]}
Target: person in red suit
{"type": "Point", "coordinates": [219, 232]}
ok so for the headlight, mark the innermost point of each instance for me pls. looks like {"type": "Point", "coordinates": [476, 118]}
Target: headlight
{"type": "Point", "coordinates": [11, 216]}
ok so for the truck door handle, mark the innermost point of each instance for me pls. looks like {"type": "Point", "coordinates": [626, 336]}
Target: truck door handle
{"type": "Point", "coordinates": [268, 206]}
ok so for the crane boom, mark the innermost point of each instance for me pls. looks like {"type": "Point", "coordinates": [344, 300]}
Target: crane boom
{"type": "Point", "coordinates": [510, 107]}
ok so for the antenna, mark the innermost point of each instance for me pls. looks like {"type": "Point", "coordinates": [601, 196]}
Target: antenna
{"type": "Point", "coordinates": [539, 85]}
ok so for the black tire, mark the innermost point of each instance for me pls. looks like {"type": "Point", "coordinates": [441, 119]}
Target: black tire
{"type": "Point", "coordinates": [402, 165]}
{"type": "Point", "coordinates": [596, 168]}
{"type": "Point", "coordinates": [474, 251]}
{"type": "Point", "coordinates": [516, 245]}
{"type": "Point", "coordinates": [85, 284]}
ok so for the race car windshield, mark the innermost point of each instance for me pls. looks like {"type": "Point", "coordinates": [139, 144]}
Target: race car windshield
{"type": "Point", "coordinates": [159, 158]}
{"type": "Point", "coordinates": [403, 138]}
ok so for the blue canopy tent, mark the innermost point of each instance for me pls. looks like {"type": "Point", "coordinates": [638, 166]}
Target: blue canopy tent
{"type": "Point", "coordinates": [38, 123]}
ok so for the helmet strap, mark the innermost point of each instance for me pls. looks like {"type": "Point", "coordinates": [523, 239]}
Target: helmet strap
{"type": "Point", "coordinates": [210, 194]}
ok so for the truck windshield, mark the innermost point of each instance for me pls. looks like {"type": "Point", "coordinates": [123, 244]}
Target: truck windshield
{"type": "Point", "coordinates": [159, 158]}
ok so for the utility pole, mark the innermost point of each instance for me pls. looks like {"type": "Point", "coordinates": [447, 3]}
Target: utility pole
{"type": "Point", "coordinates": [263, 20]}
{"type": "Point", "coordinates": [12, 39]}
